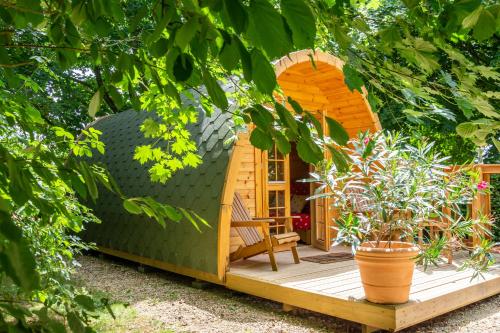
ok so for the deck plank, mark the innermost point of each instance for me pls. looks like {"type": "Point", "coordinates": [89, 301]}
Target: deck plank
{"type": "Point", "coordinates": [335, 289]}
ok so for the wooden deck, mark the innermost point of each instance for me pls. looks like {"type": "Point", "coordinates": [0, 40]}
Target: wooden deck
{"type": "Point", "coordinates": [335, 289]}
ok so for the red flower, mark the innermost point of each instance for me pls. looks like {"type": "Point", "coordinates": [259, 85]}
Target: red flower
{"type": "Point", "coordinates": [366, 140]}
{"type": "Point", "coordinates": [482, 185]}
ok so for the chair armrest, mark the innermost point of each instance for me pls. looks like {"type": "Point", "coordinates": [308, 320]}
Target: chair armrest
{"type": "Point", "coordinates": [264, 225]}
{"type": "Point", "coordinates": [249, 224]}
{"type": "Point", "coordinates": [264, 219]}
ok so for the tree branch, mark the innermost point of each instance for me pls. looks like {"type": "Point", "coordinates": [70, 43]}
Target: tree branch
{"type": "Point", "coordinates": [16, 65]}
{"type": "Point", "coordinates": [100, 84]}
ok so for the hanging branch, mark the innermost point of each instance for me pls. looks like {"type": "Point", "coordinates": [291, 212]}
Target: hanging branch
{"type": "Point", "coordinates": [100, 85]}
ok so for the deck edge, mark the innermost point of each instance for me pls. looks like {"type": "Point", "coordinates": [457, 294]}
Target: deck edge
{"type": "Point", "coordinates": [413, 313]}
{"type": "Point", "coordinates": [375, 315]}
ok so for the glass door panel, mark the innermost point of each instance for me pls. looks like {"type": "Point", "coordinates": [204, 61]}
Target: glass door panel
{"type": "Point", "coordinates": [276, 187]}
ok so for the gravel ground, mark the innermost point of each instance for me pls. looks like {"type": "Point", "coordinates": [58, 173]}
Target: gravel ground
{"type": "Point", "coordinates": [157, 301]}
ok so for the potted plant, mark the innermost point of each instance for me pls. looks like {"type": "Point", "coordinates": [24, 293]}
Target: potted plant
{"type": "Point", "coordinates": [385, 195]}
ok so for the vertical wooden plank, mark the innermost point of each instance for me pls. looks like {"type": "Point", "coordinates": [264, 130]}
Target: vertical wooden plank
{"type": "Point", "coordinates": [487, 198]}
{"type": "Point", "coordinates": [259, 192]}
{"type": "Point", "coordinates": [327, 201]}
{"type": "Point", "coordinates": [476, 209]}
{"type": "Point", "coordinates": [287, 186]}
{"type": "Point", "coordinates": [265, 192]}
{"type": "Point", "coordinates": [224, 231]}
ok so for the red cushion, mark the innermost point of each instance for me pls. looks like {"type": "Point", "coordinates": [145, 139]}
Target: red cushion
{"type": "Point", "coordinates": [302, 222]}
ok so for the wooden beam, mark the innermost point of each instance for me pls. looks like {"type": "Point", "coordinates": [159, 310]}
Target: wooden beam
{"type": "Point", "coordinates": [288, 307]}
{"type": "Point", "coordinates": [162, 265]}
{"type": "Point", "coordinates": [415, 312]}
{"type": "Point", "coordinates": [375, 315]}
{"type": "Point", "coordinates": [224, 230]}
{"type": "Point", "coordinates": [368, 329]}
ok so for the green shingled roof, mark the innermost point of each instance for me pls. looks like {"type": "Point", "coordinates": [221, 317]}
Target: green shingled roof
{"type": "Point", "coordinates": [197, 189]}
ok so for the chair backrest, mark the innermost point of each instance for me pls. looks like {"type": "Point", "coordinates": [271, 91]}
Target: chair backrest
{"type": "Point", "coordinates": [249, 235]}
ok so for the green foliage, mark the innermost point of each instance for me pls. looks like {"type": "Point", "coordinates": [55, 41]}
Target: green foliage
{"type": "Point", "coordinates": [433, 58]}
{"type": "Point", "coordinates": [495, 206]}
{"type": "Point", "coordinates": [65, 62]}
{"type": "Point", "coordinates": [389, 187]}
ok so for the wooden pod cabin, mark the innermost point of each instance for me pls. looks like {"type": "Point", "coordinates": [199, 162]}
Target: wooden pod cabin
{"type": "Point", "coordinates": [266, 182]}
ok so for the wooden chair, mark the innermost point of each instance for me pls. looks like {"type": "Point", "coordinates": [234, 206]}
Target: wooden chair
{"type": "Point", "coordinates": [260, 242]}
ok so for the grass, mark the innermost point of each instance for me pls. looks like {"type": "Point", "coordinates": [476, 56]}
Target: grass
{"type": "Point", "coordinates": [127, 320]}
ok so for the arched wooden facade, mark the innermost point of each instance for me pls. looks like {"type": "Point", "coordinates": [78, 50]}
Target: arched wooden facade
{"type": "Point", "coordinates": [320, 89]}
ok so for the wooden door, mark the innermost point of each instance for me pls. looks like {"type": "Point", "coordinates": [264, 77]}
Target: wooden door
{"type": "Point", "coordinates": [320, 213]}
{"type": "Point", "coordinates": [276, 186]}
{"type": "Point", "coordinates": [320, 226]}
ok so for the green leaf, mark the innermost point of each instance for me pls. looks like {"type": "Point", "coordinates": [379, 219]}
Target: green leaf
{"type": "Point", "coordinates": [16, 257]}
{"type": "Point", "coordinates": [340, 35]}
{"type": "Point", "coordinates": [485, 26]}
{"type": "Point", "coordinates": [172, 213]}
{"type": "Point", "coordinates": [464, 105]}
{"type": "Point", "coordinates": [337, 132]}
{"type": "Point", "coordinates": [372, 101]}
{"type": "Point", "coordinates": [246, 60]}
{"type": "Point", "coordinates": [34, 115]}
{"type": "Point", "coordinates": [339, 159]}
{"type": "Point", "coordinates": [78, 186]}
{"type": "Point", "coordinates": [369, 147]}
{"type": "Point", "coordinates": [261, 139]}
{"type": "Point", "coordinates": [132, 207]}
{"type": "Point", "coordinates": [301, 20]}
{"type": "Point", "coordinates": [282, 143]}
{"type": "Point", "coordinates": [295, 105]}
{"type": "Point", "coordinates": [86, 302]}
{"type": "Point", "coordinates": [263, 73]}
{"type": "Point", "coordinates": [496, 143]}
{"type": "Point", "coordinates": [89, 180]}
{"type": "Point", "coordinates": [237, 15]}
{"type": "Point", "coordinates": [422, 45]}
{"type": "Point", "coordinates": [95, 103]}
{"type": "Point", "coordinates": [190, 218]}
{"type": "Point", "coordinates": [315, 122]}
{"type": "Point", "coordinates": [308, 151]}
{"type": "Point", "coordinates": [183, 67]}
{"type": "Point", "coordinates": [187, 32]}
{"type": "Point", "coordinates": [75, 323]}
{"type": "Point", "coordinates": [160, 26]}
{"type": "Point", "coordinates": [215, 92]}
{"type": "Point", "coordinates": [470, 20]}
{"type": "Point", "coordinates": [424, 60]}
{"type": "Point", "coordinates": [466, 129]}
{"type": "Point", "coordinates": [352, 78]}
{"type": "Point", "coordinates": [261, 116]}
{"type": "Point", "coordinates": [483, 106]}
{"type": "Point", "coordinates": [229, 55]}
{"type": "Point", "coordinates": [267, 29]}
{"type": "Point", "coordinates": [159, 48]}
{"type": "Point", "coordinates": [286, 118]}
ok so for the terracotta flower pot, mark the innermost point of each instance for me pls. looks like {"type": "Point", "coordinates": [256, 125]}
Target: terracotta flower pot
{"type": "Point", "coordinates": [386, 272]}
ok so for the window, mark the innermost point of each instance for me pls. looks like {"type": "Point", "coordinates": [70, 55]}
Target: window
{"type": "Point", "coordinates": [275, 166]}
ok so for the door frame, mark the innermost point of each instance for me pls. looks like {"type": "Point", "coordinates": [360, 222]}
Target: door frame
{"type": "Point", "coordinates": [263, 186]}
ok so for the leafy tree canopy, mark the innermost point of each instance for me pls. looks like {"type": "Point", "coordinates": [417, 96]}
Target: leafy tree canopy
{"type": "Point", "coordinates": [432, 58]}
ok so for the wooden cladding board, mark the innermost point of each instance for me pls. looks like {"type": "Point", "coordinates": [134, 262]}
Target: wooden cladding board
{"type": "Point", "coordinates": [245, 185]}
